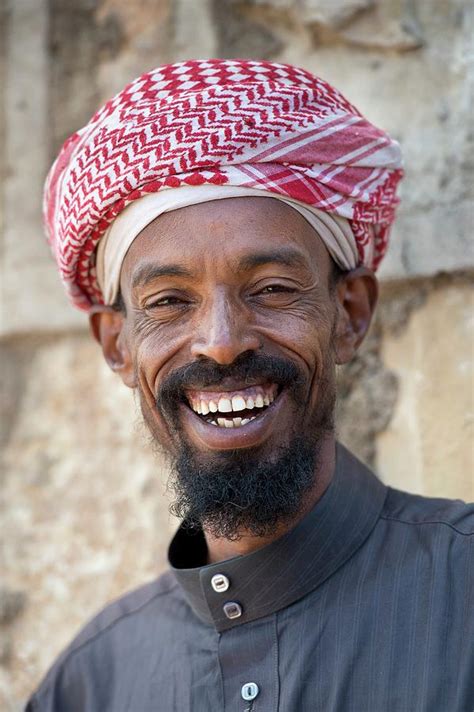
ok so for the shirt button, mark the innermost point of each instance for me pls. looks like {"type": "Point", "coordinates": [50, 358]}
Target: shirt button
{"type": "Point", "coordinates": [232, 609]}
{"type": "Point", "coordinates": [249, 691]}
{"type": "Point", "coordinates": [220, 583]}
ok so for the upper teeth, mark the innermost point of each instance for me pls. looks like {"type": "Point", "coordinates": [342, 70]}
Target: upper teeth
{"type": "Point", "coordinates": [238, 403]}
{"type": "Point", "coordinates": [203, 404]}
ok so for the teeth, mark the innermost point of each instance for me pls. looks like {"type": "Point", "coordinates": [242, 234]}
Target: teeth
{"type": "Point", "coordinates": [225, 423]}
{"type": "Point", "coordinates": [231, 423]}
{"type": "Point", "coordinates": [238, 403]}
{"type": "Point", "coordinates": [225, 406]}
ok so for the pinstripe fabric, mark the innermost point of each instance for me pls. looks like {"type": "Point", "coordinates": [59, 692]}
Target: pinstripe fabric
{"type": "Point", "coordinates": [366, 606]}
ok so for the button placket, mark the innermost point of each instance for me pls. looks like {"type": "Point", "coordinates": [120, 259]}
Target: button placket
{"type": "Point", "coordinates": [249, 691]}
{"type": "Point", "coordinates": [249, 675]}
{"type": "Point", "coordinates": [232, 610]}
{"type": "Point", "coordinates": [220, 583]}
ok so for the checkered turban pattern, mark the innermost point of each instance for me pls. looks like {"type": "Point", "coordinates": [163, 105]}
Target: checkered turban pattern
{"type": "Point", "coordinates": [253, 124]}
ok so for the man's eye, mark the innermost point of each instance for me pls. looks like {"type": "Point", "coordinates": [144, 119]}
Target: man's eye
{"type": "Point", "coordinates": [164, 302]}
{"type": "Point", "coordinates": [276, 289]}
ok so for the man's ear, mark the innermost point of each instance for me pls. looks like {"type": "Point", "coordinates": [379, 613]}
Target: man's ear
{"type": "Point", "coordinates": [107, 327]}
{"type": "Point", "coordinates": [356, 296]}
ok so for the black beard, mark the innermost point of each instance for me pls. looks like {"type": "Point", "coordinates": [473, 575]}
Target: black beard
{"type": "Point", "coordinates": [239, 491]}
{"type": "Point", "coordinates": [232, 492]}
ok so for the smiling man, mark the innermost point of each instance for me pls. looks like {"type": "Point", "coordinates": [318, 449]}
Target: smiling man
{"type": "Point", "coordinates": [221, 221]}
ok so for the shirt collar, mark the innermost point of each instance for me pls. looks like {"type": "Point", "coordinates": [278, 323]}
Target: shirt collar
{"type": "Point", "coordinates": [281, 573]}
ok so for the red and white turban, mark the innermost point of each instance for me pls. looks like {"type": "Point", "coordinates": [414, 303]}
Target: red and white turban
{"type": "Point", "coordinates": [207, 129]}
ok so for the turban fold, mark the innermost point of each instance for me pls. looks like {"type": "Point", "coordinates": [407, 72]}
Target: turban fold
{"type": "Point", "coordinates": [239, 124]}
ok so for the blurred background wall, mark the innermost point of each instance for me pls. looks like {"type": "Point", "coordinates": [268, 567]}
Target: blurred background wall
{"type": "Point", "coordinates": [84, 508]}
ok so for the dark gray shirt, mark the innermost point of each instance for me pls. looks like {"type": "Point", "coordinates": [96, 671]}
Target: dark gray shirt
{"type": "Point", "coordinates": [366, 606]}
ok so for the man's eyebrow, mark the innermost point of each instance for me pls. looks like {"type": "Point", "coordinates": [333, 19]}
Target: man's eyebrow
{"type": "Point", "coordinates": [287, 256]}
{"type": "Point", "coordinates": [146, 273]}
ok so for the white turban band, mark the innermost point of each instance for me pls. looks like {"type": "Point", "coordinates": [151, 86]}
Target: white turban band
{"type": "Point", "coordinates": [334, 231]}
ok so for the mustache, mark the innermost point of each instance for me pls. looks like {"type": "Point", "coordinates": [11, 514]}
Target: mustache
{"type": "Point", "coordinates": [246, 369]}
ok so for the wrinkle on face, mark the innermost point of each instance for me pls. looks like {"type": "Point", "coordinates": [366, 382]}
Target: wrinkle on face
{"type": "Point", "coordinates": [215, 264]}
{"type": "Point", "coordinates": [221, 295]}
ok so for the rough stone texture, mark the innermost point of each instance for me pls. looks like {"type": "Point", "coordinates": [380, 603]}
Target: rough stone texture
{"type": "Point", "coordinates": [83, 512]}
{"type": "Point", "coordinates": [428, 444]}
{"type": "Point", "coordinates": [335, 14]}
{"type": "Point", "coordinates": [378, 25]}
{"type": "Point", "coordinates": [11, 604]}
{"type": "Point", "coordinates": [25, 258]}
{"type": "Point", "coordinates": [74, 44]}
{"type": "Point", "coordinates": [367, 395]}
{"type": "Point", "coordinates": [146, 32]}
{"type": "Point", "coordinates": [239, 36]}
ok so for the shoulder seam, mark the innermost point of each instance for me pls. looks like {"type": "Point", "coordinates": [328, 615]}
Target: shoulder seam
{"type": "Point", "coordinates": [427, 521]}
{"type": "Point", "coordinates": [82, 645]}
{"type": "Point", "coordinates": [124, 615]}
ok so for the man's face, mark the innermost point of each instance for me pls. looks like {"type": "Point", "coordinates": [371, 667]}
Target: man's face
{"type": "Point", "coordinates": [231, 329]}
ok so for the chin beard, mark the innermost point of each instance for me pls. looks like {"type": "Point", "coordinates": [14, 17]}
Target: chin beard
{"type": "Point", "coordinates": [238, 492]}
{"type": "Point", "coordinates": [248, 491]}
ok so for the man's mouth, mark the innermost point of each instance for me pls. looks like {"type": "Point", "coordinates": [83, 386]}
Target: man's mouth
{"type": "Point", "coordinates": [232, 408]}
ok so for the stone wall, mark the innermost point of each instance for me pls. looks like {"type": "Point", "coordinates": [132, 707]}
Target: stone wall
{"type": "Point", "coordinates": [84, 508]}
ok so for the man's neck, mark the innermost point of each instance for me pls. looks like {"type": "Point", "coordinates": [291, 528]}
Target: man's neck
{"type": "Point", "coordinates": [220, 549]}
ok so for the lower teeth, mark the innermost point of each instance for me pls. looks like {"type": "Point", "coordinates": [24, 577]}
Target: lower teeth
{"type": "Point", "coordinates": [234, 423]}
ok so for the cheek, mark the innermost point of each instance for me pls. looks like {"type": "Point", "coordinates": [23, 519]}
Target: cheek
{"type": "Point", "coordinates": [157, 353]}
{"type": "Point", "coordinates": [155, 358]}
{"type": "Point", "coordinates": [305, 334]}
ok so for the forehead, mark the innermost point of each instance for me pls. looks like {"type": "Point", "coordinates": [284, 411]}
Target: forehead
{"type": "Point", "coordinates": [226, 232]}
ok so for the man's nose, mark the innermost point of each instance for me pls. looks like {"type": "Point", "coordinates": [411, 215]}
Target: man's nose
{"type": "Point", "coordinates": [223, 332]}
